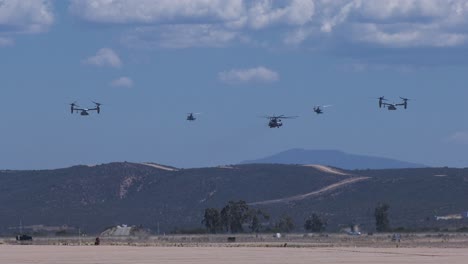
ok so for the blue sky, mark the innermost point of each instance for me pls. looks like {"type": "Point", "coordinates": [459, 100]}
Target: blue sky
{"type": "Point", "coordinates": [151, 62]}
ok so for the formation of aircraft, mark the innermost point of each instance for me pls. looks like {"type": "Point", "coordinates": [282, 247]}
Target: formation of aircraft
{"type": "Point", "coordinates": [273, 121]}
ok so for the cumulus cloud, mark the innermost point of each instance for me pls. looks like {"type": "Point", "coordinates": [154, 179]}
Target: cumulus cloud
{"type": "Point", "coordinates": [25, 16]}
{"type": "Point", "coordinates": [258, 74]}
{"type": "Point", "coordinates": [401, 24]}
{"type": "Point", "coordinates": [254, 13]}
{"type": "Point", "coordinates": [122, 82]}
{"type": "Point", "coordinates": [397, 23]}
{"type": "Point", "coordinates": [150, 11]}
{"type": "Point", "coordinates": [411, 36]}
{"type": "Point", "coordinates": [104, 57]}
{"type": "Point", "coordinates": [182, 36]}
{"type": "Point", "coordinates": [187, 23]}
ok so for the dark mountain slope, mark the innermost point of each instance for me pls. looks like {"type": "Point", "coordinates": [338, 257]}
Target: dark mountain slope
{"type": "Point", "coordinates": [93, 198]}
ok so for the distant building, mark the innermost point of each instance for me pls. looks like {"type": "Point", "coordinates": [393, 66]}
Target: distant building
{"type": "Point", "coordinates": [124, 230]}
{"type": "Point", "coordinates": [449, 217]}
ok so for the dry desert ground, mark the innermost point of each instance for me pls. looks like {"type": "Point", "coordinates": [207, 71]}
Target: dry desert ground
{"type": "Point", "coordinates": [211, 249]}
{"type": "Point", "coordinates": [26, 254]}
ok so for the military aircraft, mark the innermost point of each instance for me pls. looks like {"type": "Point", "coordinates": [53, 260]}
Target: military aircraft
{"type": "Point", "coordinates": [85, 111]}
{"type": "Point", "coordinates": [275, 121]}
{"type": "Point", "coordinates": [318, 109]}
{"type": "Point", "coordinates": [191, 116]}
{"type": "Point", "coordinates": [393, 107]}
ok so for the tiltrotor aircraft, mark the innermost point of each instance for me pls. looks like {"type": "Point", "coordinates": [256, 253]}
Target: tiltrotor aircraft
{"type": "Point", "coordinates": [85, 111]}
{"type": "Point", "coordinates": [393, 107]}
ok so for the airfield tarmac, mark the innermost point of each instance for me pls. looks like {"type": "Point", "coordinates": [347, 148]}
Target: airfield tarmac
{"type": "Point", "coordinates": [21, 254]}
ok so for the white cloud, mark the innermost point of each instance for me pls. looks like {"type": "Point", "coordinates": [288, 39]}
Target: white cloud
{"type": "Point", "coordinates": [255, 13]}
{"type": "Point", "coordinates": [162, 11]}
{"type": "Point", "coordinates": [4, 42]}
{"type": "Point", "coordinates": [258, 74]}
{"type": "Point", "coordinates": [122, 82]}
{"type": "Point", "coordinates": [188, 23]}
{"type": "Point", "coordinates": [25, 16]}
{"type": "Point", "coordinates": [181, 36]}
{"type": "Point", "coordinates": [262, 14]}
{"type": "Point", "coordinates": [410, 36]}
{"type": "Point", "coordinates": [104, 57]}
{"type": "Point", "coordinates": [217, 23]}
{"type": "Point", "coordinates": [397, 23]}
{"type": "Point", "coordinates": [460, 137]}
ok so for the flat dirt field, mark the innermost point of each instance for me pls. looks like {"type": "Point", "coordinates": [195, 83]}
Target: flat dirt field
{"type": "Point", "coordinates": [428, 248]}
{"type": "Point", "coordinates": [22, 254]}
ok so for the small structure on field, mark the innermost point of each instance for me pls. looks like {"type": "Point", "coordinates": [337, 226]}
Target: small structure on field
{"type": "Point", "coordinates": [124, 230]}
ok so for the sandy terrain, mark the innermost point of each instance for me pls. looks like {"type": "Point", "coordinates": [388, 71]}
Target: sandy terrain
{"type": "Point", "coordinates": [125, 254]}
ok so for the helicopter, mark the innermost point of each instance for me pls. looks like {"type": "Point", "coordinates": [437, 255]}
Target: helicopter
{"type": "Point", "coordinates": [393, 107]}
{"type": "Point", "coordinates": [275, 121]}
{"type": "Point", "coordinates": [85, 111]}
{"type": "Point", "coordinates": [318, 109]}
{"type": "Point", "coordinates": [191, 116]}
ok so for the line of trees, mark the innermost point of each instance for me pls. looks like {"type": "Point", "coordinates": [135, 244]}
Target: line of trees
{"type": "Point", "coordinates": [233, 218]}
{"type": "Point", "coordinates": [236, 216]}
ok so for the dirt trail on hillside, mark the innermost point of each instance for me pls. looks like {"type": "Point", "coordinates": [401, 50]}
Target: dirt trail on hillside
{"type": "Point", "coordinates": [158, 166]}
{"type": "Point", "coordinates": [326, 169]}
{"type": "Point", "coordinates": [299, 197]}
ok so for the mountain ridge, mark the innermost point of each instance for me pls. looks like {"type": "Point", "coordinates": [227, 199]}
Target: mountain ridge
{"type": "Point", "coordinates": [334, 158]}
{"type": "Point", "coordinates": [94, 198]}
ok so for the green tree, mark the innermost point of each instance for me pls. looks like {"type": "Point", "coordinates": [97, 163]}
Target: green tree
{"type": "Point", "coordinates": [234, 215]}
{"type": "Point", "coordinates": [382, 224]}
{"type": "Point", "coordinates": [255, 223]}
{"type": "Point", "coordinates": [212, 220]}
{"type": "Point", "coordinates": [285, 224]}
{"type": "Point", "coordinates": [315, 224]}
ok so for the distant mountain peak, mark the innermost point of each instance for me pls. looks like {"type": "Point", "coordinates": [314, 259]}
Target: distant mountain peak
{"type": "Point", "coordinates": [334, 158]}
